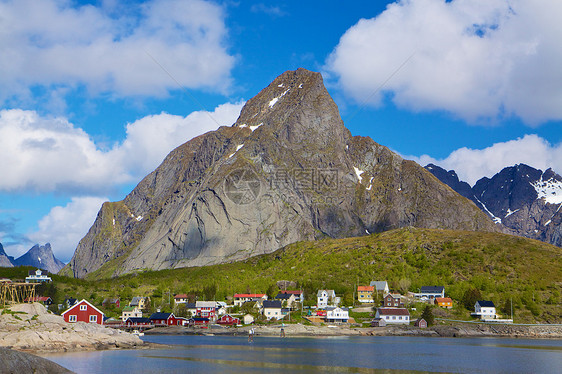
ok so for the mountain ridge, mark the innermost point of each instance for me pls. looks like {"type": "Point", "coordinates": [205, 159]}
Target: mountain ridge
{"type": "Point", "coordinates": [41, 257]}
{"type": "Point", "coordinates": [524, 200]}
{"type": "Point", "coordinates": [287, 170]}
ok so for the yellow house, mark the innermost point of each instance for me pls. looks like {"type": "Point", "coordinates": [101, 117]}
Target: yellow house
{"type": "Point", "coordinates": [365, 294]}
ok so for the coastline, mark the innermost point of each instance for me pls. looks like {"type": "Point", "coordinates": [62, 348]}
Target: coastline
{"type": "Point", "coordinates": [453, 330]}
{"type": "Point", "coordinates": [31, 328]}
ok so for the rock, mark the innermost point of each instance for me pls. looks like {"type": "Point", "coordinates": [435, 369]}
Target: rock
{"type": "Point", "coordinates": [20, 362]}
{"type": "Point", "coordinates": [31, 327]}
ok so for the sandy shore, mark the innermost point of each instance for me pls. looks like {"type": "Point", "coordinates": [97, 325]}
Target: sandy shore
{"type": "Point", "coordinates": [31, 328]}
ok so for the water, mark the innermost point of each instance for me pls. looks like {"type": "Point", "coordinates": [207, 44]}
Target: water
{"type": "Point", "coordinates": [216, 354]}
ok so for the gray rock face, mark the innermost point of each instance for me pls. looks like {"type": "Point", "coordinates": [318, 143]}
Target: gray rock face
{"type": "Point", "coordinates": [41, 257]}
{"type": "Point", "coordinates": [524, 200]}
{"type": "Point", "coordinates": [5, 260]}
{"type": "Point", "coordinates": [20, 362]}
{"type": "Point", "coordinates": [287, 170]}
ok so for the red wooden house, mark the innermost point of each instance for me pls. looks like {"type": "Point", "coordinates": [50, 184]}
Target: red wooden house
{"type": "Point", "coordinates": [39, 299]}
{"type": "Point", "coordinates": [165, 319]}
{"type": "Point", "coordinates": [227, 319]}
{"type": "Point", "coordinates": [83, 311]}
{"type": "Point", "coordinates": [138, 322]}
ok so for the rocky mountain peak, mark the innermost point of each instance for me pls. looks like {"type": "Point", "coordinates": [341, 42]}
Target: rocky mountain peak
{"type": "Point", "coordinates": [296, 108]}
{"type": "Point", "coordinates": [522, 199]}
{"type": "Point", "coordinates": [41, 257]}
{"type": "Point", "coordinates": [287, 170]}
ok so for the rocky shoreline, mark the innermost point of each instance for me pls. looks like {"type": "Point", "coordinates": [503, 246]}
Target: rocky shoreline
{"type": "Point", "coordinates": [31, 328]}
{"type": "Point", "coordinates": [449, 330]}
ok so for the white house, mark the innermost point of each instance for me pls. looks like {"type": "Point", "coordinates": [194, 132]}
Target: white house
{"type": "Point", "coordinates": [380, 286]}
{"type": "Point", "coordinates": [241, 298]}
{"type": "Point", "coordinates": [248, 318]}
{"type": "Point", "coordinates": [484, 309]}
{"type": "Point", "coordinates": [130, 312]}
{"type": "Point", "coordinates": [37, 276]}
{"type": "Point", "coordinates": [272, 309]}
{"type": "Point", "coordinates": [393, 315]}
{"type": "Point", "coordinates": [337, 314]}
{"type": "Point", "coordinates": [327, 297]}
{"type": "Point", "coordinates": [430, 292]}
{"type": "Point", "coordinates": [181, 299]}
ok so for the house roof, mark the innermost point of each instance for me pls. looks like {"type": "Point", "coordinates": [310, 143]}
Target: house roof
{"type": "Point", "coordinates": [432, 289]}
{"type": "Point", "coordinates": [180, 296]}
{"type": "Point", "coordinates": [331, 308]}
{"type": "Point", "coordinates": [393, 312]}
{"type": "Point", "coordinates": [205, 304]}
{"type": "Point", "coordinates": [240, 295]}
{"type": "Point", "coordinates": [113, 300]}
{"type": "Point", "coordinates": [138, 320]}
{"type": "Point", "coordinates": [136, 300]}
{"type": "Point", "coordinates": [129, 308]}
{"type": "Point", "coordinates": [394, 295]}
{"type": "Point", "coordinates": [379, 285]}
{"type": "Point", "coordinates": [283, 296]}
{"type": "Point", "coordinates": [293, 292]}
{"type": "Point", "coordinates": [331, 293]}
{"type": "Point", "coordinates": [83, 301]}
{"type": "Point", "coordinates": [160, 315]}
{"type": "Point", "coordinates": [272, 304]}
{"type": "Point", "coordinates": [486, 303]}
{"type": "Point", "coordinates": [443, 300]}
{"type": "Point", "coordinates": [38, 272]}
{"type": "Point", "coordinates": [365, 288]}
{"type": "Point", "coordinates": [38, 298]}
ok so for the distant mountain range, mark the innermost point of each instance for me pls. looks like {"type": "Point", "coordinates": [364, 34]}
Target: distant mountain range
{"type": "Point", "coordinates": [41, 257]}
{"type": "Point", "coordinates": [523, 200]}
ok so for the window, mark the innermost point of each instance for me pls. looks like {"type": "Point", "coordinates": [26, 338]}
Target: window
{"type": "Point", "coordinates": [93, 318]}
{"type": "Point", "coordinates": [72, 318]}
{"type": "Point", "coordinates": [83, 307]}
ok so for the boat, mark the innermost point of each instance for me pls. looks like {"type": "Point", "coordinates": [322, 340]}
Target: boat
{"type": "Point", "coordinates": [138, 333]}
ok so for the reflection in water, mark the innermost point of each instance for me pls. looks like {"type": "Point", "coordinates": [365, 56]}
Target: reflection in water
{"type": "Point", "coordinates": [292, 367]}
{"type": "Point", "coordinates": [228, 354]}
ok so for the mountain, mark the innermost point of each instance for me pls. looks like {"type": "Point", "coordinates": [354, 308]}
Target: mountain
{"type": "Point", "coordinates": [41, 257]}
{"type": "Point", "coordinates": [287, 170]}
{"type": "Point", "coordinates": [5, 260]}
{"type": "Point", "coordinates": [525, 200]}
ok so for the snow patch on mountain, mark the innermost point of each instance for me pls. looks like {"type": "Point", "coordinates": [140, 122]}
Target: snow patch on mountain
{"type": "Point", "coordinates": [549, 190]}
{"type": "Point", "coordinates": [358, 173]}
{"type": "Point", "coordinates": [496, 220]}
{"type": "Point", "coordinates": [274, 100]}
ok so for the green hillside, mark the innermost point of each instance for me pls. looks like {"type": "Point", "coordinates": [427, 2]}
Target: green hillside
{"type": "Point", "coordinates": [502, 267]}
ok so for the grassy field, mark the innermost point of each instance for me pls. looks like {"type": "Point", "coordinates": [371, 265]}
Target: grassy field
{"type": "Point", "coordinates": [506, 269]}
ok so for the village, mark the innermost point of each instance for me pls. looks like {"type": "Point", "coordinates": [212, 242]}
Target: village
{"type": "Point", "coordinates": [376, 304]}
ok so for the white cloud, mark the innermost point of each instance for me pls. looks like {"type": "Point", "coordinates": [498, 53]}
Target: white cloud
{"type": "Point", "coordinates": [473, 164]}
{"type": "Point", "coordinates": [50, 154]}
{"type": "Point", "coordinates": [64, 226]}
{"type": "Point", "coordinates": [51, 43]}
{"type": "Point", "coordinates": [478, 59]}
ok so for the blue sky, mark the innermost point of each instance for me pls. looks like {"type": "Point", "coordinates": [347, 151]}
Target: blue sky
{"type": "Point", "coordinates": [94, 94]}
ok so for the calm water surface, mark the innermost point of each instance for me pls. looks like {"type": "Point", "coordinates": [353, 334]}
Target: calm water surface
{"type": "Point", "coordinates": [216, 354]}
